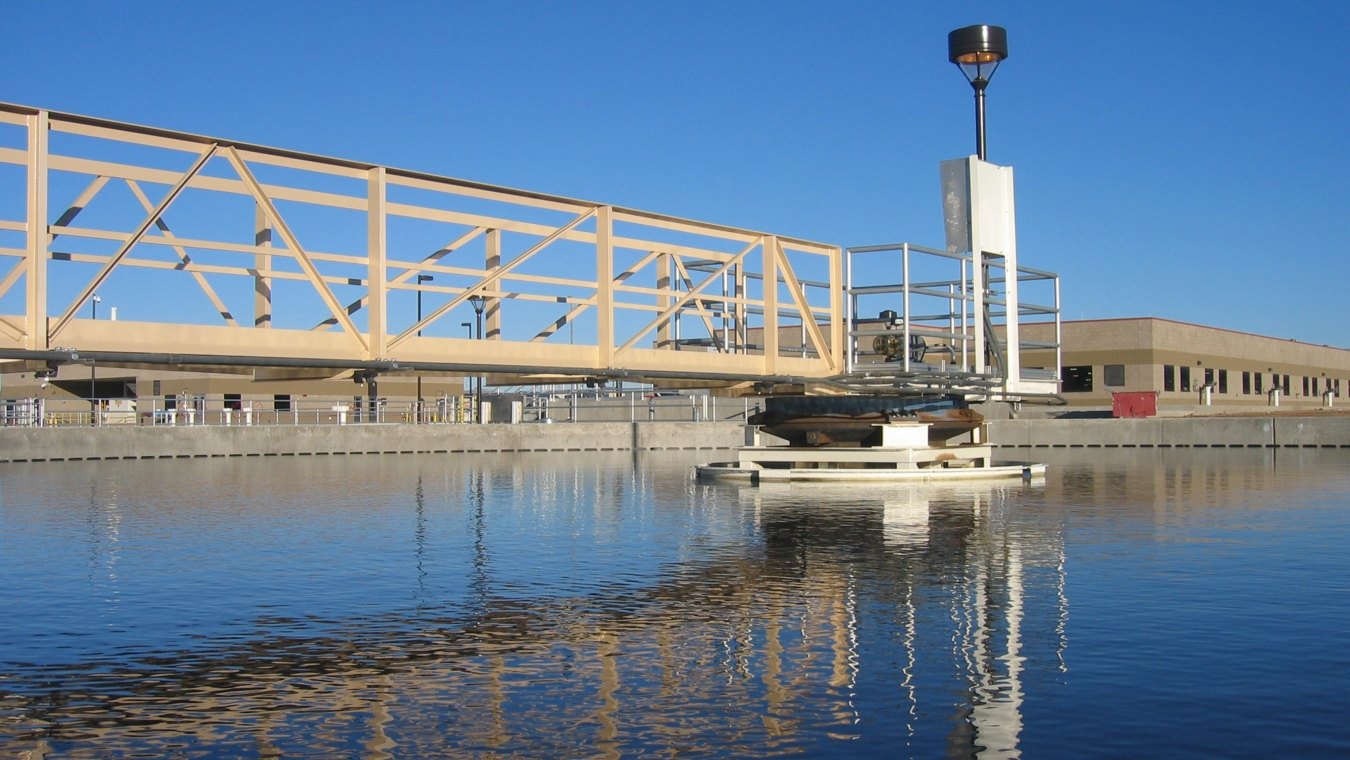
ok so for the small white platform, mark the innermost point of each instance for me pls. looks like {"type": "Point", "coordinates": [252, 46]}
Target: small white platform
{"type": "Point", "coordinates": [904, 456]}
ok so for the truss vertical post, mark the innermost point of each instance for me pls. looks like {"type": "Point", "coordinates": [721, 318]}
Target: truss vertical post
{"type": "Point", "coordinates": [725, 314]}
{"type": "Point", "coordinates": [492, 261]}
{"type": "Point", "coordinates": [770, 250]}
{"type": "Point", "coordinates": [39, 236]}
{"type": "Point", "coordinates": [664, 278]}
{"type": "Point", "coordinates": [839, 321]}
{"type": "Point", "coordinates": [604, 283]}
{"type": "Point", "coordinates": [377, 290]}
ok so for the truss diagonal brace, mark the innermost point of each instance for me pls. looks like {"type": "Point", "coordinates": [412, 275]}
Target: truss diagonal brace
{"type": "Point", "coordinates": [184, 257]}
{"type": "Point", "coordinates": [808, 317]}
{"type": "Point", "coordinates": [302, 258]}
{"type": "Point", "coordinates": [692, 293]}
{"type": "Point", "coordinates": [492, 278]}
{"type": "Point", "coordinates": [134, 238]}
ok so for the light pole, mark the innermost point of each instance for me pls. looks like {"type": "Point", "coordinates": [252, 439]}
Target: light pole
{"type": "Point", "coordinates": [977, 51]}
{"type": "Point", "coordinates": [468, 328]}
{"type": "Point", "coordinates": [421, 278]}
{"type": "Point", "coordinates": [478, 302]}
{"type": "Point", "coordinates": [94, 301]}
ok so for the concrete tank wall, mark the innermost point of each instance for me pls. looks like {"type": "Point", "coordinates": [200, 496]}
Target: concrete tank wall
{"type": "Point", "coordinates": [25, 444]}
{"type": "Point", "coordinates": [166, 442]}
{"type": "Point", "coordinates": [1164, 432]}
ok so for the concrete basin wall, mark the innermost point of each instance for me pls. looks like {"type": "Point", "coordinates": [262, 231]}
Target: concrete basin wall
{"type": "Point", "coordinates": [1183, 432]}
{"type": "Point", "coordinates": [167, 442]}
{"type": "Point", "coordinates": [26, 444]}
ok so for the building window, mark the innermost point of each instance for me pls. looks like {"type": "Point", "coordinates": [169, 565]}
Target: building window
{"type": "Point", "coordinates": [1077, 379]}
{"type": "Point", "coordinates": [1114, 375]}
{"type": "Point", "coordinates": [1286, 385]}
{"type": "Point", "coordinates": [281, 402]}
{"type": "Point", "coordinates": [234, 401]}
{"type": "Point", "coordinates": [1209, 377]}
{"type": "Point", "coordinates": [1223, 381]}
{"type": "Point", "coordinates": [1246, 383]}
{"type": "Point", "coordinates": [1305, 386]}
{"type": "Point", "coordinates": [1169, 377]}
{"type": "Point", "coordinates": [1259, 380]}
{"type": "Point", "coordinates": [1317, 391]}
{"type": "Point", "coordinates": [1186, 379]}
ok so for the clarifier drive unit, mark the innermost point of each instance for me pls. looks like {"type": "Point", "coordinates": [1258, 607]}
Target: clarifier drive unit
{"type": "Point", "coordinates": [867, 440]}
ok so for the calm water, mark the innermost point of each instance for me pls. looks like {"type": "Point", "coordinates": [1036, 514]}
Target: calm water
{"type": "Point", "coordinates": [1135, 604]}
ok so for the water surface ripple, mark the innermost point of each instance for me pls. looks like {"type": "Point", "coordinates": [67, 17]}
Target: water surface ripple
{"type": "Point", "coordinates": [1135, 603]}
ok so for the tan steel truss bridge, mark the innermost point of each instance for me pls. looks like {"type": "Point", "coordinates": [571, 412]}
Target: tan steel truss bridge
{"type": "Point", "coordinates": [236, 257]}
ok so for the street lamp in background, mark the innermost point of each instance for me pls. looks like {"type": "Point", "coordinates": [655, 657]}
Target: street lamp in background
{"type": "Point", "coordinates": [468, 328]}
{"type": "Point", "coordinates": [977, 51]}
{"type": "Point", "coordinates": [94, 301]}
{"type": "Point", "coordinates": [421, 278]}
{"type": "Point", "coordinates": [478, 302]}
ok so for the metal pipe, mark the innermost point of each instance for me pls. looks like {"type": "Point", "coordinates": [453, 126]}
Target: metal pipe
{"type": "Point", "coordinates": [979, 85]}
{"type": "Point", "coordinates": [71, 356]}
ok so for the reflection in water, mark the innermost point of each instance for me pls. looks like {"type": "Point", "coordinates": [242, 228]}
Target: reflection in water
{"type": "Point", "coordinates": [593, 606]}
{"type": "Point", "coordinates": [420, 541]}
{"type": "Point", "coordinates": [947, 544]}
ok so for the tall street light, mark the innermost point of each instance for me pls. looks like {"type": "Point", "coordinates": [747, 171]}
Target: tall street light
{"type": "Point", "coordinates": [421, 278]}
{"type": "Point", "coordinates": [478, 302]}
{"type": "Point", "coordinates": [977, 51]}
{"type": "Point", "coordinates": [468, 328]}
{"type": "Point", "coordinates": [94, 301]}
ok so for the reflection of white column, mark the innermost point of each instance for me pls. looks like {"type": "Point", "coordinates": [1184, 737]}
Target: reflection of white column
{"type": "Point", "coordinates": [995, 678]}
{"type": "Point", "coordinates": [1062, 620]}
{"type": "Point", "coordinates": [911, 633]}
{"type": "Point", "coordinates": [905, 519]}
{"type": "Point", "coordinates": [997, 708]}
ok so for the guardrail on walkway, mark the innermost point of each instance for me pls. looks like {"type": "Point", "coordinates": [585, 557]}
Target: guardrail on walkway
{"type": "Point", "coordinates": [558, 408]}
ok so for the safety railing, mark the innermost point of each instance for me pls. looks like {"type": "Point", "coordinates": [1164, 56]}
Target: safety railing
{"type": "Point", "coordinates": [915, 326]}
{"type": "Point", "coordinates": [636, 406]}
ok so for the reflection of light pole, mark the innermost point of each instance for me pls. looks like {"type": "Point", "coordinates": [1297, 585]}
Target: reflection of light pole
{"type": "Point", "coordinates": [93, 370]}
{"type": "Point", "coordinates": [977, 51]}
{"type": "Point", "coordinates": [480, 554]}
{"type": "Point", "coordinates": [421, 278]}
{"type": "Point", "coordinates": [478, 302]}
{"type": "Point", "coordinates": [420, 541]}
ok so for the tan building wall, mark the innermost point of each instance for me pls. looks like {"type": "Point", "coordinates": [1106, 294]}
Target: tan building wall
{"type": "Point", "coordinates": [1138, 354]}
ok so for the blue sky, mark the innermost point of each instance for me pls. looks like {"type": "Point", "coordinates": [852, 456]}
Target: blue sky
{"type": "Point", "coordinates": [1179, 160]}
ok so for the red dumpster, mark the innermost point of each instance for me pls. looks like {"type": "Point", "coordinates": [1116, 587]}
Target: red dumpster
{"type": "Point", "coordinates": [1134, 404]}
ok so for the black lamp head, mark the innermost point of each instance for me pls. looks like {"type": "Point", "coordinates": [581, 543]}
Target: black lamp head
{"type": "Point", "coordinates": [977, 51]}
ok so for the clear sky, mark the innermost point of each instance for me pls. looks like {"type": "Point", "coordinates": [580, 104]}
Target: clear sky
{"type": "Point", "coordinates": [1183, 160]}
